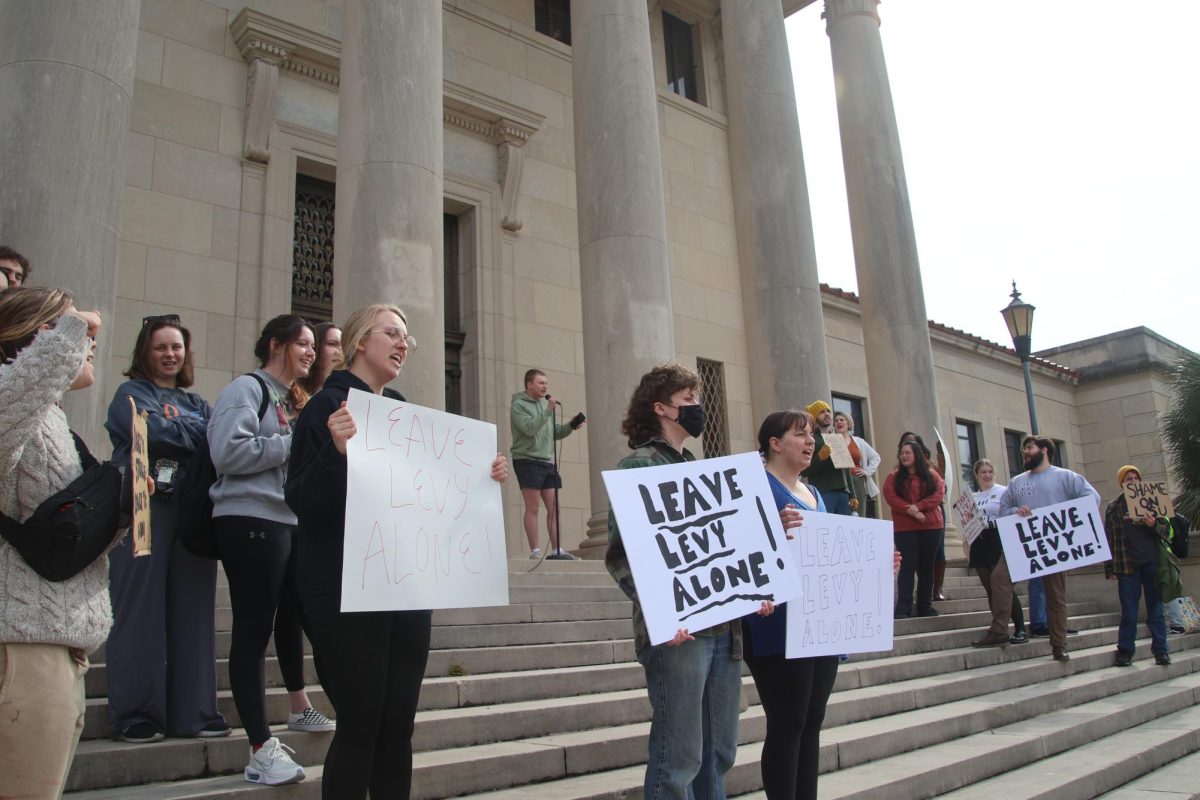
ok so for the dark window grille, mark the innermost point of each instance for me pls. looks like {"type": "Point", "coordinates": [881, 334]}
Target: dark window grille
{"type": "Point", "coordinates": [312, 249]}
{"type": "Point", "coordinates": [1012, 447]}
{"type": "Point", "coordinates": [968, 451]}
{"type": "Point", "coordinates": [680, 46]}
{"type": "Point", "coordinates": [553, 18]}
{"type": "Point", "coordinates": [716, 413]}
{"type": "Point", "coordinates": [455, 337]}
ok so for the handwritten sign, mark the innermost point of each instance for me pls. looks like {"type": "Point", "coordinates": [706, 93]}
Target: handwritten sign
{"type": "Point", "coordinates": [139, 468]}
{"type": "Point", "coordinates": [839, 451]}
{"type": "Point", "coordinates": [1054, 539]}
{"type": "Point", "coordinates": [845, 601]}
{"type": "Point", "coordinates": [1148, 499]}
{"type": "Point", "coordinates": [969, 517]}
{"type": "Point", "coordinates": [424, 524]}
{"type": "Point", "coordinates": [703, 539]}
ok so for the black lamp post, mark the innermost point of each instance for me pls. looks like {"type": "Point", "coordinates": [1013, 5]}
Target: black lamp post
{"type": "Point", "coordinates": [1018, 315]}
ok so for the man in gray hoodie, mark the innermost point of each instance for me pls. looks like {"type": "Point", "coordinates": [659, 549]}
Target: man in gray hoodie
{"type": "Point", "coordinates": [1040, 485]}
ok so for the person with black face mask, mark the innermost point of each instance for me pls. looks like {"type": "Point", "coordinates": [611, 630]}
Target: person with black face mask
{"type": "Point", "coordinates": [694, 680]}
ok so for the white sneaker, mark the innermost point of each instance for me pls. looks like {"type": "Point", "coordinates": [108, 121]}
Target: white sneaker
{"type": "Point", "coordinates": [535, 554]}
{"type": "Point", "coordinates": [310, 721]}
{"type": "Point", "coordinates": [272, 765]}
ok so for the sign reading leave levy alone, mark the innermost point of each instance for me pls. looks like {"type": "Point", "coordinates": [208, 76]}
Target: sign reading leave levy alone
{"type": "Point", "coordinates": [424, 525]}
{"type": "Point", "coordinates": [1148, 499]}
{"type": "Point", "coordinates": [704, 541]}
{"type": "Point", "coordinates": [1054, 539]}
{"type": "Point", "coordinates": [845, 601]}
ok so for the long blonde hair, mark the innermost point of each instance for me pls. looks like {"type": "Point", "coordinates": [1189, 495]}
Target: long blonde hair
{"type": "Point", "coordinates": [356, 327]}
{"type": "Point", "coordinates": [23, 311]}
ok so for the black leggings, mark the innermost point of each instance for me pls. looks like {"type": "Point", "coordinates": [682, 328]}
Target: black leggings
{"type": "Point", "coordinates": [257, 555]}
{"type": "Point", "coordinates": [793, 693]}
{"type": "Point", "coordinates": [918, 550]}
{"type": "Point", "coordinates": [371, 665]}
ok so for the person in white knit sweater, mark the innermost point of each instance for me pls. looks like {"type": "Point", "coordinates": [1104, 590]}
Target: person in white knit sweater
{"type": "Point", "coordinates": [47, 629]}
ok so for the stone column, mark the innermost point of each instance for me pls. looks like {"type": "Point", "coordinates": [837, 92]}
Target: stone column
{"type": "Point", "coordinates": [388, 226]}
{"type": "Point", "coordinates": [623, 260]}
{"type": "Point", "coordinates": [66, 82]}
{"type": "Point", "coordinates": [894, 324]}
{"type": "Point", "coordinates": [781, 294]}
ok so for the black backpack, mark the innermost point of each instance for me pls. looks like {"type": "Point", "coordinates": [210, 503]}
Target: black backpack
{"type": "Point", "coordinates": [194, 508]}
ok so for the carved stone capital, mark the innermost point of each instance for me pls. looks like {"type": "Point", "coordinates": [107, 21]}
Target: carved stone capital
{"type": "Point", "coordinates": [837, 10]}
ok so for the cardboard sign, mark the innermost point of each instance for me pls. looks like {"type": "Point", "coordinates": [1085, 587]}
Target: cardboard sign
{"type": "Point", "coordinates": [1148, 499]}
{"type": "Point", "coordinates": [845, 601]}
{"type": "Point", "coordinates": [424, 524]}
{"type": "Point", "coordinates": [969, 517]}
{"type": "Point", "coordinates": [704, 541]}
{"type": "Point", "coordinates": [839, 451]}
{"type": "Point", "coordinates": [139, 468]}
{"type": "Point", "coordinates": [1054, 539]}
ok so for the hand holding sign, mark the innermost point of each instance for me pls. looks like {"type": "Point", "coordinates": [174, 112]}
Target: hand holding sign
{"type": "Point", "coordinates": [839, 451]}
{"type": "Point", "coordinates": [704, 542]}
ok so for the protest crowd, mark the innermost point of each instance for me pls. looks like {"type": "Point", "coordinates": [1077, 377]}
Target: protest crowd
{"type": "Point", "coordinates": [259, 482]}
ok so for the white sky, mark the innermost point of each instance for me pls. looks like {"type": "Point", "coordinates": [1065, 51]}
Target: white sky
{"type": "Point", "coordinates": [1054, 143]}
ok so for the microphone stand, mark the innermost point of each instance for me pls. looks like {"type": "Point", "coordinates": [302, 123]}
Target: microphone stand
{"type": "Point", "coordinates": [558, 553]}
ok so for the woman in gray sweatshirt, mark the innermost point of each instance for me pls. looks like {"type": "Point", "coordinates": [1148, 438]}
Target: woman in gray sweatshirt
{"type": "Point", "coordinates": [250, 439]}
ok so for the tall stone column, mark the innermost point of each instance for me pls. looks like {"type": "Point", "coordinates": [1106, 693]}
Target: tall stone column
{"type": "Point", "coordinates": [894, 324]}
{"type": "Point", "coordinates": [781, 294]}
{"type": "Point", "coordinates": [623, 259]}
{"type": "Point", "coordinates": [66, 81]}
{"type": "Point", "coordinates": [388, 225]}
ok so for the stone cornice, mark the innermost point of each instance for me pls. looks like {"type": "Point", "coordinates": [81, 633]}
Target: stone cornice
{"type": "Point", "coordinates": [837, 10]}
{"type": "Point", "coordinates": [294, 49]}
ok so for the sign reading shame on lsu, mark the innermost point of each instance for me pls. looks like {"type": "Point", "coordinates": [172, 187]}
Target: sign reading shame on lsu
{"type": "Point", "coordinates": [704, 541]}
{"type": "Point", "coordinates": [424, 526]}
{"type": "Point", "coordinates": [1053, 539]}
{"type": "Point", "coordinates": [845, 601]}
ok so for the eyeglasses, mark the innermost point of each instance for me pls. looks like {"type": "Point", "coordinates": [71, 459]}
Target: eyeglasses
{"type": "Point", "coordinates": [396, 335]}
{"type": "Point", "coordinates": [16, 277]}
{"type": "Point", "coordinates": [169, 318]}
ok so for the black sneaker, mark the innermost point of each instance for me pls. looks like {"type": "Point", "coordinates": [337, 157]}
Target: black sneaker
{"type": "Point", "coordinates": [900, 614]}
{"type": "Point", "coordinates": [928, 612]}
{"type": "Point", "coordinates": [1123, 659]}
{"type": "Point", "coordinates": [213, 730]}
{"type": "Point", "coordinates": [1072, 632]}
{"type": "Point", "coordinates": [141, 733]}
{"type": "Point", "coordinates": [1018, 638]}
{"type": "Point", "coordinates": [1162, 659]}
{"type": "Point", "coordinates": [1175, 629]}
{"type": "Point", "coordinates": [1039, 631]}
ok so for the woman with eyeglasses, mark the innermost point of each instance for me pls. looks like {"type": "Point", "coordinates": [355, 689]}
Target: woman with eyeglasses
{"type": "Point", "coordinates": [47, 629]}
{"type": "Point", "coordinates": [327, 338]}
{"type": "Point", "coordinates": [250, 439]}
{"type": "Point", "coordinates": [370, 663]}
{"type": "Point", "coordinates": [161, 664]}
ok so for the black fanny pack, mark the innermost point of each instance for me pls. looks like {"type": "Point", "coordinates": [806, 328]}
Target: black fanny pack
{"type": "Point", "coordinates": [72, 528]}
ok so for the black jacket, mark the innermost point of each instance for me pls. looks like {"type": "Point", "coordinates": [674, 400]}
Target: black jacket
{"type": "Point", "coordinates": [316, 492]}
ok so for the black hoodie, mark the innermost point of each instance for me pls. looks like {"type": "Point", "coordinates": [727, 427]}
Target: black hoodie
{"type": "Point", "coordinates": [316, 492]}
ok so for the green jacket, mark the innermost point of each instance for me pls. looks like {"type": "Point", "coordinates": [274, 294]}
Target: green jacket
{"type": "Point", "coordinates": [653, 453]}
{"type": "Point", "coordinates": [532, 428]}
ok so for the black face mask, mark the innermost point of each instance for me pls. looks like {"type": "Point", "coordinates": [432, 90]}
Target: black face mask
{"type": "Point", "coordinates": [691, 419]}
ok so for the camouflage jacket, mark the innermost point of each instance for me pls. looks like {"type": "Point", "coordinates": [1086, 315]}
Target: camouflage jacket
{"type": "Point", "coordinates": [653, 453]}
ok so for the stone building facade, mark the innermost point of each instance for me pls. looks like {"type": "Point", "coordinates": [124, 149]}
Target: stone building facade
{"type": "Point", "coordinates": [619, 191]}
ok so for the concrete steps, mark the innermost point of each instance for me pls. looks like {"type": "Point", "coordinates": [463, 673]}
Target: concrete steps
{"type": "Point", "coordinates": [545, 700]}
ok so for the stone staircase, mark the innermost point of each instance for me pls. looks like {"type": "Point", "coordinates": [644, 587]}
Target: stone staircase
{"type": "Point", "coordinates": [543, 699]}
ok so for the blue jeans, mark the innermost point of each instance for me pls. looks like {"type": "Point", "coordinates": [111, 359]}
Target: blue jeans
{"type": "Point", "coordinates": [1130, 589]}
{"type": "Point", "coordinates": [1037, 603]}
{"type": "Point", "coordinates": [837, 501]}
{"type": "Point", "coordinates": [695, 691]}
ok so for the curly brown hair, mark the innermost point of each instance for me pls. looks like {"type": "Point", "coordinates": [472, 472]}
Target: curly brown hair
{"type": "Point", "coordinates": [641, 424]}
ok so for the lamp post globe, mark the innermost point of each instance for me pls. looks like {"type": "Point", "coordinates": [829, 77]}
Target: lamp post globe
{"type": "Point", "coordinates": [1018, 316]}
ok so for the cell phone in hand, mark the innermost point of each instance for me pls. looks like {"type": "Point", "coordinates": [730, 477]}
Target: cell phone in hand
{"type": "Point", "coordinates": [577, 420]}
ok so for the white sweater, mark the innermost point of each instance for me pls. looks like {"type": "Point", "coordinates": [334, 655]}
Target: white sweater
{"type": "Point", "coordinates": [38, 459]}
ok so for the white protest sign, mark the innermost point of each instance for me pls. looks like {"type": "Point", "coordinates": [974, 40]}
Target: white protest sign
{"type": "Point", "coordinates": [969, 516]}
{"type": "Point", "coordinates": [845, 601]}
{"type": "Point", "coordinates": [839, 451]}
{"type": "Point", "coordinates": [1054, 539]}
{"type": "Point", "coordinates": [704, 541]}
{"type": "Point", "coordinates": [424, 525]}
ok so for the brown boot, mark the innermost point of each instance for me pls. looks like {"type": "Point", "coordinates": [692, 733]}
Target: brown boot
{"type": "Point", "coordinates": [939, 577]}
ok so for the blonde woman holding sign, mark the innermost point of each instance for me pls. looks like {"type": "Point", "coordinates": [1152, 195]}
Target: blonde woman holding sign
{"type": "Point", "coordinates": [370, 662]}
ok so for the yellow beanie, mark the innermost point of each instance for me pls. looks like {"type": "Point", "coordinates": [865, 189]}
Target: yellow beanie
{"type": "Point", "coordinates": [1125, 470]}
{"type": "Point", "coordinates": [817, 406]}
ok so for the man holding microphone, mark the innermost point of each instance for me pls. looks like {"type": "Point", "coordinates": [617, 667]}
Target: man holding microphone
{"type": "Point", "coordinates": [534, 432]}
